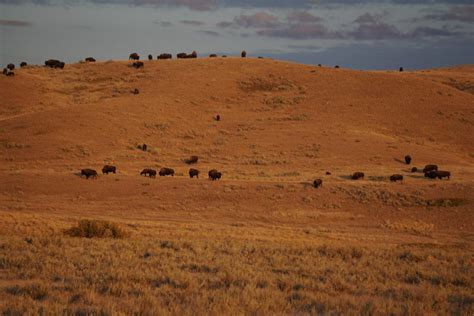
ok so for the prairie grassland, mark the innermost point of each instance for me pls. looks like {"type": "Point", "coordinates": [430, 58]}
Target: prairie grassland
{"type": "Point", "coordinates": [190, 268]}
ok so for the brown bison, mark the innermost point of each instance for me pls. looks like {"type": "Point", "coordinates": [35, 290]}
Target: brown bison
{"type": "Point", "coordinates": [357, 175]}
{"type": "Point", "coordinates": [107, 168]}
{"type": "Point", "coordinates": [166, 172]}
{"type": "Point", "coordinates": [89, 173]}
{"type": "Point", "coordinates": [433, 174]}
{"type": "Point", "coordinates": [318, 183]}
{"type": "Point", "coordinates": [150, 57]}
{"type": "Point", "coordinates": [429, 168]}
{"type": "Point", "coordinates": [337, 67]}
{"type": "Point", "coordinates": [443, 174]}
{"type": "Point", "coordinates": [243, 54]}
{"type": "Point", "coordinates": [90, 59]}
{"type": "Point", "coordinates": [181, 55]}
{"type": "Point", "coordinates": [217, 117]}
{"type": "Point", "coordinates": [414, 169]}
{"type": "Point", "coordinates": [148, 172]}
{"type": "Point", "coordinates": [214, 175]}
{"type": "Point", "coordinates": [134, 56]}
{"type": "Point", "coordinates": [191, 160]}
{"type": "Point", "coordinates": [212, 55]}
{"type": "Point", "coordinates": [396, 177]}
{"type": "Point", "coordinates": [193, 173]}
{"type": "Point", "coordinates": [54, 63]}
{"type": "Point", "coordinates": [138, 64]}
{"type": "Point", "coordinates": [135, 91]}
{"type": "Point", "coordinates": [11, 66]}
{"type": "Point", "coordinates": [328, 173]}
{"type": "Point", "coordinates": [23, 64]}
{"type": "Point", "coordinates": [143, 147]}
{"type": "Point", "coordinates": [407, 159]}
{"type": "Point", "coordinates": [165, 56]}
{"type": "Point", "coordinates": [193, 55]}
{"type": "Point", "coordinates": [7, 72]}
{"type": "Point", "coordinates": [401, 69]}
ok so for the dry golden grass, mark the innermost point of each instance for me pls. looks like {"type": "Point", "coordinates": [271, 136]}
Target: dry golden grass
{"type": "Point", "coordinates": [215, 269]}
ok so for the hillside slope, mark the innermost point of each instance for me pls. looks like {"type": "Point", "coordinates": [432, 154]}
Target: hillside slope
{"type": "Point", "coordinates": [262, 231]}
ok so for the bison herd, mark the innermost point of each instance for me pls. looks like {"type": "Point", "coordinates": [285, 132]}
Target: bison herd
{"type": "Point", "coordinates": [163, 172]}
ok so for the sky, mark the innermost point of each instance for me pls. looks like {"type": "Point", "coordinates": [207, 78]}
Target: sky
{"type": "Point", "coordinates": [361, 34]}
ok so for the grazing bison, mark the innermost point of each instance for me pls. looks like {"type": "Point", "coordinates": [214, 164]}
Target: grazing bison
{"type": "Point", "coordinates": [217, 117]}
{"type": "Point", "coordinates": [429, 168]}
{"type": "Point", "coordinates": [11, 66]}
{"type": "Point", "coordinates": [319, 65]}
{"type": "Point", "coordinates": [89, 173]}
{"type": "Point", "coordinates": [165, 56]}
{"type": "Point", "coordinates": [191, 160]}
{"type": "Point", "coordinates": [135, 91]}
{"type": "Point", "coordinates": [143, 147]}
{"type": "Point", "coordinates": [407, 159]}
{"type": "Point", "coordinates": [193, 173]}
{"type": "Point", "coordinates": [414, 169]}
{"type": "Point", "coordinates": [212, 55]}
{"type": "Point", "coordinates": [401, 69]}
{"type": "Point", "coordinates": [224, 56]}
{"type": "Point", "coordinates": [166, 172]}
{"type": "Point", "coordinates": [433, 174]}
{"type": "Point", "coordinates": [443, 174]}
{"type": "Point", "coordinates": [181, 55]}
{"type": "Point", "coordinates": [23, 64]}
{"type": "Point", "coordinates": [148, 172]}
{"type": "Point", "coordinates": [138, 64]}
{"type": "Point", "coordinates": [318, 183]}
{"type": "Point", "coordinates": [193, 55]}
{"type": "Point", "coordinates": [90, 59]}
{"type": "Point", "coordinates": [357, 175]}
{"type": "Point", "coordinates": [134, 56]}
{"type": "Point", "coordinates": [243, 54]}
{"type": "Point", "coordinates": [214, 174]}
{"type": "Point", "coordinates": [150, 57]}
{"type": "Point", "coordinates": [107, 168]}
{"type": "Point", "coordinates": [328, 173]}
{"type": "Point", "coordinates": [7, 72]}
{"type": "Point", "coordinates": [54, 63]}
{"type": "Point", "coordinates": [396, 177]}
{"type": "Point", "coordinates": [337, 67]}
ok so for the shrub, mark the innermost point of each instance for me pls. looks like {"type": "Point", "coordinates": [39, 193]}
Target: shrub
{"type": "Point", "coordinates": [96, 229]}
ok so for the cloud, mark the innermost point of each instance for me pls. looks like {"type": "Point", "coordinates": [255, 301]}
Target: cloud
{"type": "Point", "coordinates": [192, 22]}
{"type": "Point", "coordinates": [211, 33]}
{"type": "Point", "coordinates": [455, 13]}
{"type": "Point", "coordinates": [259, 19]}
{"type": "Point", "coordinates": [302, 17]}
{"type": "Point", "coordinates": [163, 23]}
{"type": "Point", "coordinates": [302, 31]}
{"type": "Point", "coordinates": [14, 23]}
{"type": "Point", "coordinates": [200, 5]}
{"type": "Point", "coordinates": [372, 26]}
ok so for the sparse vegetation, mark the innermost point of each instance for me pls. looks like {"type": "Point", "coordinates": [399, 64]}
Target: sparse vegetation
{"type": "Point", "coordinates": [96, 229]}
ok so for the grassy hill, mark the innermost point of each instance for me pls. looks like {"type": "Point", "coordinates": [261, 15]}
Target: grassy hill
{"type": "Point", "coordinates": [261, 240]}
